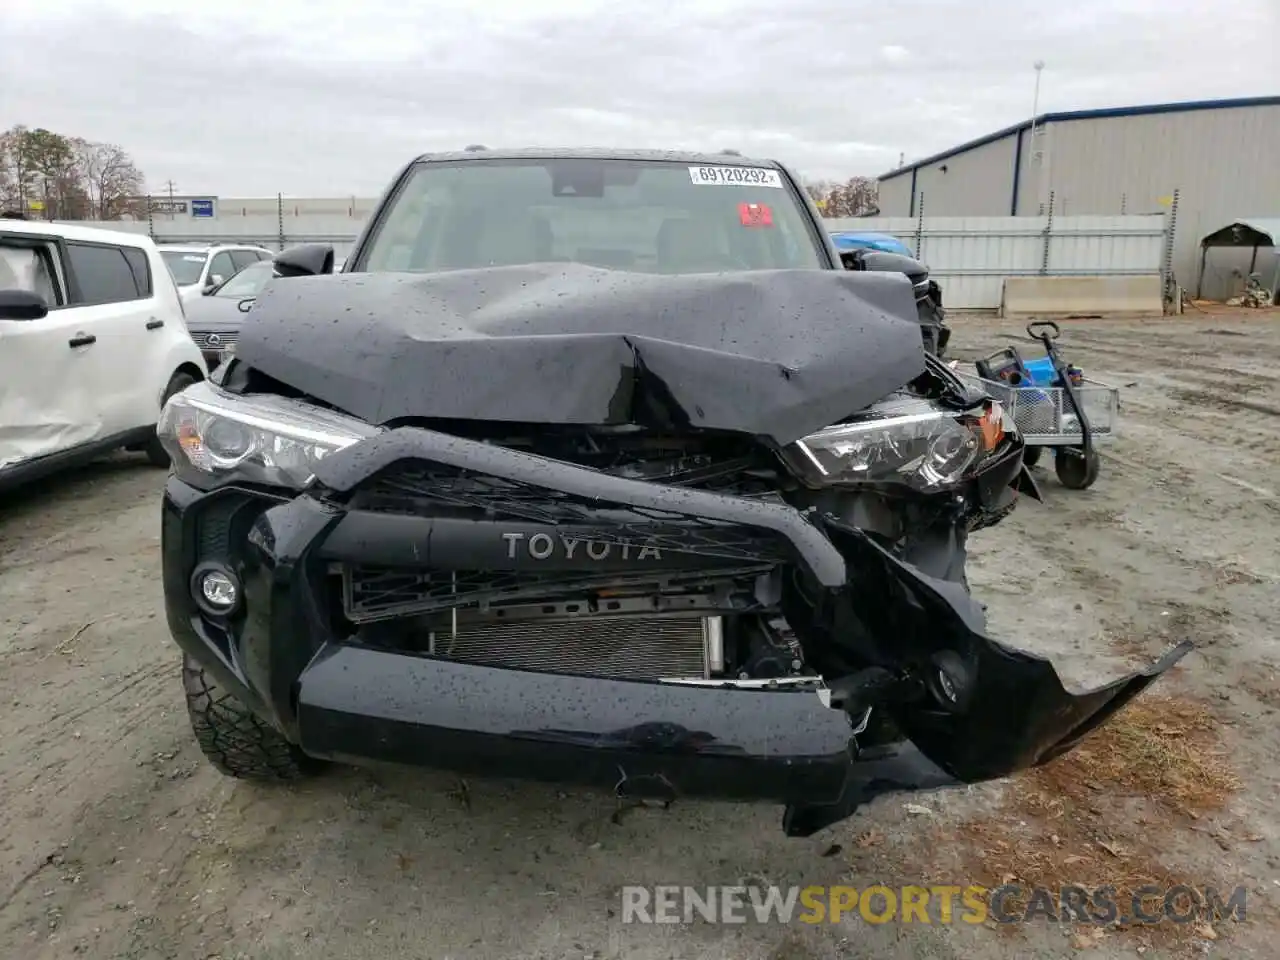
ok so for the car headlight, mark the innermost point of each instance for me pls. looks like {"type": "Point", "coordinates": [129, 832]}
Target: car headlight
{"type": "Point", "coordinates": [912, 442]}
{"type": "Point", "coordinates": [212, 437]}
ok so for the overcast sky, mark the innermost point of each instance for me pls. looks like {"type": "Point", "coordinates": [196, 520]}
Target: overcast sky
{"type": "Point", "coordinates": [328, 98]}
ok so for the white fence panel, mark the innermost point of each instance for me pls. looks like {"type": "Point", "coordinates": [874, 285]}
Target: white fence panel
{"type": "Point", "coordinates": [972, 256]}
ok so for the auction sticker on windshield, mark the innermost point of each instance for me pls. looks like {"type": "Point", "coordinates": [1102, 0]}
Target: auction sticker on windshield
{"type": "Point", "coordinates": [735, 176]}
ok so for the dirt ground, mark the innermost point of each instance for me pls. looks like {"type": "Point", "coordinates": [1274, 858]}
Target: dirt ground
{"type": "Point", "coordinates": [119, 841]}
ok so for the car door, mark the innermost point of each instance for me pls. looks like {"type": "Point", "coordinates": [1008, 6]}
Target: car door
{"type": "Point", "coordinates": [51, 369]}
{"type": "Point", "coordinates": [117, 299]}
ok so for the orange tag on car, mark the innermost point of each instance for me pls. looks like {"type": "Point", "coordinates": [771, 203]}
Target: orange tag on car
{"type": "Point", "coordinates": [755, 215]}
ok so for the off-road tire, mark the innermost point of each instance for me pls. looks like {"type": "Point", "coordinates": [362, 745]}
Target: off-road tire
{"type": "Point", "coordinates": [1077, 472]}
{"type": "Point", "coordinates": [156, 454]}
{"type": "Point", "coordinates": [235, 741]}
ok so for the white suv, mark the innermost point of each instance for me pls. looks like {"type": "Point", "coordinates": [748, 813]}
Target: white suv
{"type": "Point", "coordinates": [196, 267]}
{"type": "Point", "coordinates": [93, 340]}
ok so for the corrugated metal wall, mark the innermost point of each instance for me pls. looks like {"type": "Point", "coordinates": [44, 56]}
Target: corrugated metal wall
{"type": "Point", "coordinates": [895, 196]}
{"type": "Point", "coordinates": [976, 183]}
{"type": "Point", "coordinates": [1223, 163]}
{"type": "Point", "coordinates": [972, 256]}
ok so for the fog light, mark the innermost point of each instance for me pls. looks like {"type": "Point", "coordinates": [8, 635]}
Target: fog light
{"type": "Point", "coordinates": [216, 589]}
{"type": "Point", "coordinates": [950, 681]}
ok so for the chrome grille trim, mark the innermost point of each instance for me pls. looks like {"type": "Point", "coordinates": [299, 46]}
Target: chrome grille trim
{"type": "Point", "coordinates": [224, 340]}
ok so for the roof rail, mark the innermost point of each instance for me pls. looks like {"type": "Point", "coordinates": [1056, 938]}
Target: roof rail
{"type": "Point", "coordinates": [730, 153]}
{"type": "Point", "coordinates": [475, 147]}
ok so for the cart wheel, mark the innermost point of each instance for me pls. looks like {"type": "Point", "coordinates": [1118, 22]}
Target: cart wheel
{"type": "Point", "coordinates": [1077, 470]}
{"type": "Point", "coordinates": [1031, 456]}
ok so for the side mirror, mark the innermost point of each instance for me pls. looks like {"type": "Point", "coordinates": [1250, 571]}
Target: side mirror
{"type": "Point", "coordinates": [850, 259]}
{"type": "Point", "coordinates": [305, 260]}
{"type": "Point", "coordinates": [22, 305]}
{"type": "Point", "coordinates": [882, 261]}
{"type": "Point", "coordinates": [212, 285]}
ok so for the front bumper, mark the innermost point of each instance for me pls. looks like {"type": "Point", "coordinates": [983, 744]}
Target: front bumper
{"type": "Point", "coordinates": [284, 657]}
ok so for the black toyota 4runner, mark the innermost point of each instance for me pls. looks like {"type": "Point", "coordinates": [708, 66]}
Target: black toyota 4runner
{"type": "Point", "coordinates": [596, 466]}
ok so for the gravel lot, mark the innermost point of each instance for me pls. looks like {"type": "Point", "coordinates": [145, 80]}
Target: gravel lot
{"type": "Point", "coordinates": [119, 841]}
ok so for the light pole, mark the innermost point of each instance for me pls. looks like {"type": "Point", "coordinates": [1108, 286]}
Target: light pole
{"type": "Point", "coordinates": [1037, 132]}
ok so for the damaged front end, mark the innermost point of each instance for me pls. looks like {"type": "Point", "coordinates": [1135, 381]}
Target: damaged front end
{"type": "Point", "coordinates": [669, 613]}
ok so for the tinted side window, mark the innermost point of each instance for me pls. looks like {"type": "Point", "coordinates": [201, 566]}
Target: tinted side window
{"type": "Point", "coordinates": [141, 268]}
{"type": "Point", "coordinates": [223, 266]}
{"type": "Point", "coordinates": [102, 272]}
{"type": "Point", "coordinates": [242, 258]}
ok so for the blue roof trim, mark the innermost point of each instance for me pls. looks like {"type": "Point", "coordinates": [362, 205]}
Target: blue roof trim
{"type": "Point", "coordinates": [1102, 114]}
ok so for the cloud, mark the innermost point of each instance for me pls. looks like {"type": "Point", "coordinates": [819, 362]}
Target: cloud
{"type": "Point", "coordinates": [314, 97]}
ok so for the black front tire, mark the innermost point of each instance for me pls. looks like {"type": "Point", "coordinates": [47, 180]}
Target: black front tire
{"type": "Point", "coordinates": [1077, 471]}
{"type": "Point", "coordinates": [235, 741]}
{"type": "Point", "coordinates": [156, 453]}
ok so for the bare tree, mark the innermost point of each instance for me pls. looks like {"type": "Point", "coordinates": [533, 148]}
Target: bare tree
{"type": "Point", "coordinates": [854, 198]}
{"type": "Point", "coordinates": [12, 178]}
{"type": "Point", "coordinates": [111, 180]}
{"type": "Point", "coordinates": [46, 175]}
{"type": "Point", "coordinates": [861, 196]}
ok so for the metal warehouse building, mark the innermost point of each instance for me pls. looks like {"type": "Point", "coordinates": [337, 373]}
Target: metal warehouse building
{"type": "Point", "coordinates": [1221, 156]}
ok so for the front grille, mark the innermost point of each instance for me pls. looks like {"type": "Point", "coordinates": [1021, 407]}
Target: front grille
{"type": "Point", "coordinates": [423, 489]}
{"type": "Point", "coordinates": [373, 593]}
{"type": "Point", "coordinates": [617, 648]}
{"type": "Point", "coordinates": [215, 341]}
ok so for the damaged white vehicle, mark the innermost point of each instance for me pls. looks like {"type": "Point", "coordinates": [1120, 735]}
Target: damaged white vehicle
{"type": "Point", "coordinates": [93, 341]}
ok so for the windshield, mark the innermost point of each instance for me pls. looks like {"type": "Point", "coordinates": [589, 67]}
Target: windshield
{"type": "Point", "coordinates": [650, 216]}
{"type": "Point", "coordinates": [185, 266]}
{"type": "Point", "coordinates": [247, 282]}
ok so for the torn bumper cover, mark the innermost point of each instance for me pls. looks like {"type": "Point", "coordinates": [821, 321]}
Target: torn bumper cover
{"type": "Point", "coordinates": [284, 654]}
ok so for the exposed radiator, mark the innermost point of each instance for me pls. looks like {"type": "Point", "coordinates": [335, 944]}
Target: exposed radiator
{"type": "Point", "coordinates": [622, 648]}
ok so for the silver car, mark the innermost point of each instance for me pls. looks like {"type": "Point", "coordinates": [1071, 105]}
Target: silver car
{"type": "Point", "coordinates": [215, 318]}
{"type": "Point", "coordinates": [197, 267]}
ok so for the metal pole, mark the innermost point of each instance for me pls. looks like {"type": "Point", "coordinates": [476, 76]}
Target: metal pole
{"type": "Point", "coordinates": [1035, 100]}
{"type": "Point", "coordinates": [280, 218]}
{"type": "Point", "coordinates": [1048, 229]}
{"type": "Point", "coordinates": [1035, 154]}
{"type": "Point", "coordinates": [920, 228]}
{"type": "Point", "coordinates": [1167, 271]}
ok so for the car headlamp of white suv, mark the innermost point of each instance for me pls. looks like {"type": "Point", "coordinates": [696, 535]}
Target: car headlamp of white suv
{"type": "Point", "coordinates": [214, 437]}
{"type": "Point", "coordinates": [910, 441]}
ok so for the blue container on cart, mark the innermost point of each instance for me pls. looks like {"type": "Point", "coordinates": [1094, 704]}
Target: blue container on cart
{"type": "Point", "coordinates": [1040, 371]}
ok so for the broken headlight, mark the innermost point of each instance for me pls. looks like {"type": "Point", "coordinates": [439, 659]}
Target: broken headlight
{"type": "Point", "coordinates": [910, 441]}
{"type": "Point", "coordinates": [213, 437]}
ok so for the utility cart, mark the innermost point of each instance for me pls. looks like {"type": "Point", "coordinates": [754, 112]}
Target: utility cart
{"type": "Point", "coordinates": [1053, 405]}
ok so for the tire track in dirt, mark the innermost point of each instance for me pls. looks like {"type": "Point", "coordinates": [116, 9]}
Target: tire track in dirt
{"type": "Point", "coordinates": [1194, 398]}
{"type": "Point", "coordinates": [1173, 364]}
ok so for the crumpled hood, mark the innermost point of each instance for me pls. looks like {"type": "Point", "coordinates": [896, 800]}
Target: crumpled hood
{"type": "Point", "coordinates": [776, 354]}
